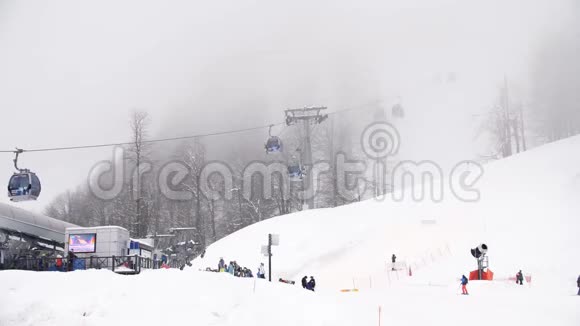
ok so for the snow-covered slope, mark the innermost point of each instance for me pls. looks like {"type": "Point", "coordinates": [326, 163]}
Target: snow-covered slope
{"type": "Point", "coordinates": [161, 297]}
{"type": "Point", "coordinates": [528, 216]}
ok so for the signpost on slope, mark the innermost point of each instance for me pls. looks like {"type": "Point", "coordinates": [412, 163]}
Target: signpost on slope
{"type": "Point", "coordinates": [273, 240]}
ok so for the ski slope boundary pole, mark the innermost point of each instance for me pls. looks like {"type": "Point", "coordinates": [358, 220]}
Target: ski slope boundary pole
{"type": "Point", "coordinates": [270, 257]}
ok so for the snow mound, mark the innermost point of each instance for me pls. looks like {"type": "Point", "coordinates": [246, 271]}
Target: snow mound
{"type": "Point", "coordinates": [160, 297]}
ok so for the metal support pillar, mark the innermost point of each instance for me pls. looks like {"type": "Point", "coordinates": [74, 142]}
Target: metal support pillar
{"type": "Point", "coordinates": [308, 116]}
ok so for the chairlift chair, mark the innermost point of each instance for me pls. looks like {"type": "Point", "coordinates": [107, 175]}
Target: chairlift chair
{"type": "Point", "coordinates": [295, 172]}
{"type": "Point", "coordinates": [24, 185]}
{"type": "Point", "coordinates": [274, 143]}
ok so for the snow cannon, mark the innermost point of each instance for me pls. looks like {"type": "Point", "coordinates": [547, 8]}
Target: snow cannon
{"type": "Point", "coordinates": [479, 251]}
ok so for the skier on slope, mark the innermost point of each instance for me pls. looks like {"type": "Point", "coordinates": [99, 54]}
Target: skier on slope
{"type": "Point", "coordinates": [261, 271]}
{"type": "Point", "coordinates": [464, 282]}
{"type": "Point", "coordinates": [578, 283]}
{"type": "Point", "coordinates": [393, 259]}
{"type": "Point", "coordinates": [520, 278]}
{"type": "Point", "coordinates": [305, 282]}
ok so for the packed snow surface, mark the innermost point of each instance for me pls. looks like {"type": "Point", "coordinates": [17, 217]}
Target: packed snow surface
{"type": "Point", "coordinates": [527, 215]}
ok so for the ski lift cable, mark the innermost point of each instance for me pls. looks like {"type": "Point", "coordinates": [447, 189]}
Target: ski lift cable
{"type": "Point", "coordinates": [145, 141]}
{"type": "Point", "coordinates": [54, 149]}
{"type": "Point", "coordinates": [363, 107]}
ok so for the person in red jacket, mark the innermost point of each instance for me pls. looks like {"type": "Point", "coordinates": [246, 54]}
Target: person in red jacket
{"type": "Point", "coordinates": [464, 282]}
{"type": "Point", "coordinates": [58, 262]}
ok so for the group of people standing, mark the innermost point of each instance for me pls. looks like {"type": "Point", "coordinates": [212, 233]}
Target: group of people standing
{"type": "Point", "coordinates": [238, 271]}
{"type": "Point", "coordinates": [308, 284]}
{"type": "Point", "coordinates": [234, 269]}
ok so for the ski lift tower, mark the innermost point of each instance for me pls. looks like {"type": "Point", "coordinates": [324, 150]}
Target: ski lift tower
{"type": "Point", "coordinates": [308, 116]}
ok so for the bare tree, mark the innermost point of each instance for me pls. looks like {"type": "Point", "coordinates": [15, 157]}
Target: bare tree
{"type": "Point", "coordinates": [139, 151]}
{"type": "Point", "coordinates": [193, 155]}
{"type": "Point", "coordinates": [504, 126]}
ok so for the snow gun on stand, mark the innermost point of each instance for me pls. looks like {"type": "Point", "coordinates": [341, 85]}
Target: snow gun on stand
{"type": "Point", "coordinates": [479, 253]}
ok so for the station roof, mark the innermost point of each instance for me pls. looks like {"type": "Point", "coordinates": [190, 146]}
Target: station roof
{"type": "Point", "coordinates": [14, 219]}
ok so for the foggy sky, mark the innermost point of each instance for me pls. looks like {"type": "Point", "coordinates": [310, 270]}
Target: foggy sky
{"type": "Point", "coordinates": [72, 71]}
